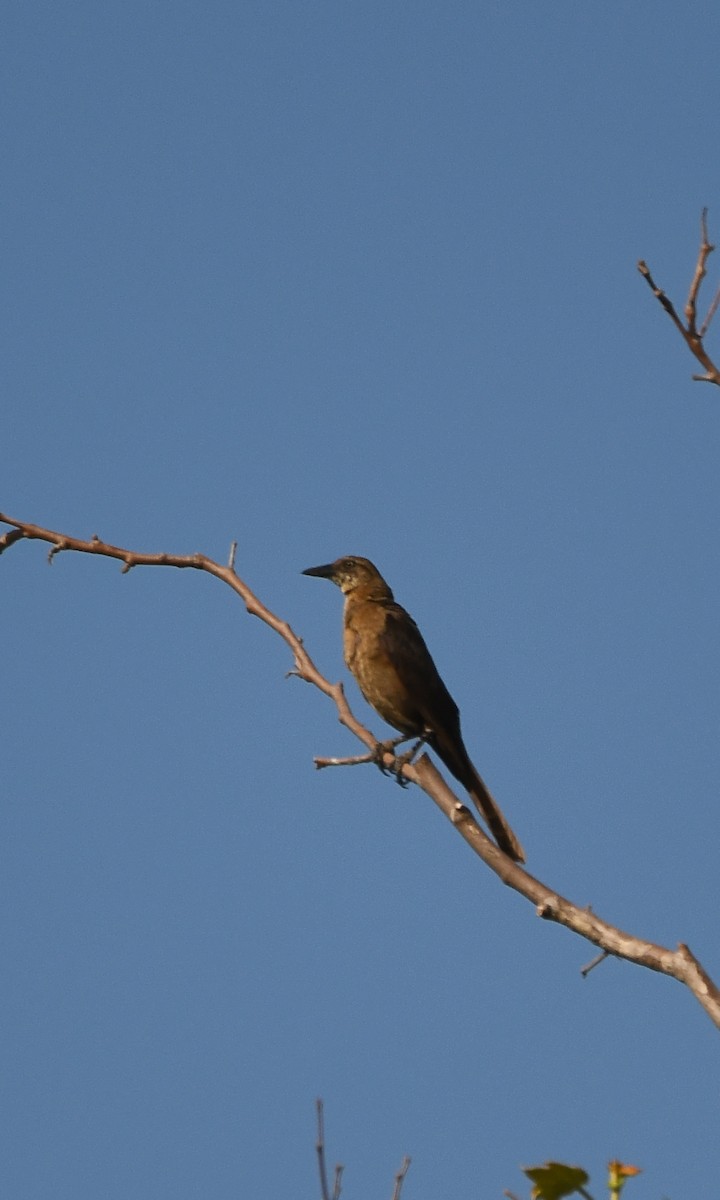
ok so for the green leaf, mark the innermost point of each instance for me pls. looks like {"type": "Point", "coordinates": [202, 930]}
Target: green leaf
{"type": "Point", "coordinates": [555, 1180]}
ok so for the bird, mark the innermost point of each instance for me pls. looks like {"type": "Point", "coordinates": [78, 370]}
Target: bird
{"type": "Point", "coordinates": [396, 674]}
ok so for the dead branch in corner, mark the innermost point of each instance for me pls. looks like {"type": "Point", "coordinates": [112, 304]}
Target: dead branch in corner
{"type": "Point", "coordinates": [689, 331]}
{"type": "Point", "coordinates": [325, 1192]}
{"type": "Point", "coordinates": [679, 964]}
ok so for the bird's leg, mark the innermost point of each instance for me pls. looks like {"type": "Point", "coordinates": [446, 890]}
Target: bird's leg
{"type": "Point", "coordinates": [391, 743]}
{"type": "Point", "coordinates": [410, 754]}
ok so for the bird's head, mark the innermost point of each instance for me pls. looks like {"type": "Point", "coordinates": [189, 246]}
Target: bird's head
{"type": "Point", "coordinates": [351, 573]}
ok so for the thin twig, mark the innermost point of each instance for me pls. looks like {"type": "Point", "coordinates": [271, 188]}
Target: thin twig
{"type": "Point", "coordinates": [679, 964]}
{"type": "Point", "coordinates": [595, 962]}
{"type": "Point", "coordinates": [710, 313]}
{"type": "Point", "coordinates": [337, 1182]}
{"type": "Point", "coordinates": [400, 1177]}
{"type": "Point", "coordinates": [689, 331]}
{"type": "Point", "coordinates": [320, 1148]}
{"type": "Point", "coordinates": [700, 272]}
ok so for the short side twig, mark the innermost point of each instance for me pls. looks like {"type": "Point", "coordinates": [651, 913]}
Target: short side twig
{"type": "Point", "coordinates": [352, 760]}
{"type": "Point", "coordinates": [689, 331]}
{"type": "Point", "coordinates": [594, 962]}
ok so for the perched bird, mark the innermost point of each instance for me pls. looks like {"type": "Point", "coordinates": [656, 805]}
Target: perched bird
{"type": "Point", "coordinates": [386, 653]}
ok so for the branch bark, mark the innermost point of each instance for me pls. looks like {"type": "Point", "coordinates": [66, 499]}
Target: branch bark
{"type": "Point", "coordinates": [679, 964]}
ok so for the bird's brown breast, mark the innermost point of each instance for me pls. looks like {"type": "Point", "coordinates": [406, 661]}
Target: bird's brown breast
{"type": "Point", "coordinates": [382, 648]}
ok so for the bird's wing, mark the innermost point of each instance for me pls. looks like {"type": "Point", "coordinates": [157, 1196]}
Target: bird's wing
{"type": "Point", "coordinates": [405, 647]}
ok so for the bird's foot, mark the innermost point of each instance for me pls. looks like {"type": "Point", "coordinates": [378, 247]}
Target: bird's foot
{"type": "Point", "coordinates": [402, 759]}
{"type": "Point", "coordinates": [389, 747]}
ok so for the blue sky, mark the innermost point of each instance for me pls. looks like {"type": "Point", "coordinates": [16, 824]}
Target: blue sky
{"type": "Point", "coordinates": [338, 278]}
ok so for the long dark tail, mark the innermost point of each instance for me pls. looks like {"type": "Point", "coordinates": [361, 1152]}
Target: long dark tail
{"type": "Point", "coordinates": [457, 760]}
{"type": "Point", "coordinates": [496, 822]}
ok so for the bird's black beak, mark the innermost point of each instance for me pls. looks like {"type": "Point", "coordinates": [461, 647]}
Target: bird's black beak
{"type": "Point", "coordinates": [325, 572]}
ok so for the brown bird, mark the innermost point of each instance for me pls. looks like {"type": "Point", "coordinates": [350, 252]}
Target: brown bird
{"type": "Point", "coordinates": [386, 653]}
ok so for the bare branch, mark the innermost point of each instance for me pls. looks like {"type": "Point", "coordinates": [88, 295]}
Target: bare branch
{"type": "Point", "coordinates": [304, 666]}
{"type": "Point", "coordinates": [679, 964]}
{"type": "Point", "coordinates": [689, 331]}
